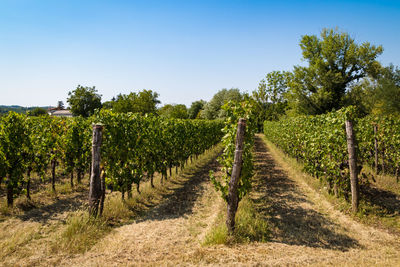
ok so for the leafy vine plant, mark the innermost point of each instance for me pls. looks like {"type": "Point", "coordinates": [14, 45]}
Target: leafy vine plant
{"type": "Point", "coordinates": [234, 111]}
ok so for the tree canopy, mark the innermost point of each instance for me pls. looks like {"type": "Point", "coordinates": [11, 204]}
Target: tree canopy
{"type": "Point", "coordinates": [143, 102]}
{"type": "Point", "coordinates": [335, 61]}
{"type": "Point", "coordinates": [195, 108]}
{"type": "Point", "coordinates": [212, 110]}
{"type": "Point", "coordinates": [37, 112]}
{"type": "Point", "coordinates": [377, 96]}
{"type": "Point", "coordinates": [388, 91]}
{"type": "Point", "coordinates": [270, 97]}
{"type": "Point", "coordinates": [177, 111]}
{"type": "Point", "coordinates": [83, 101]}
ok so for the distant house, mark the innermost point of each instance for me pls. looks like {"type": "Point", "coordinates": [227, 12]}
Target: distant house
{"type": "Point", "coordinates": [60, 112]}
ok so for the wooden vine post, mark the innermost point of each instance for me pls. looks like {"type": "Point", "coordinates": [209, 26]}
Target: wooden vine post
{"type": "Point", "coordinates": [95, 189]}
{"type": "Point", "coordinates": [352, 165]}
{"type": "Point", "coordinates": [376, 147]}
{"type": "Point", "coordinates": [233, 197]}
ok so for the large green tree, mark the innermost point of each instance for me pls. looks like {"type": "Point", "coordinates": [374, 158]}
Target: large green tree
{"type": "Point", "coordinates": [143, 102]}
{"type": "Point", "coordinates": [195, 108]}
{"type": "Point", "coordinates": [388, 91]}
{"type": "Point", "coordinates": [213, 109]}
{"type": "Point", "coordinates": [177, 111]}
{"type": "Point", "coordinates": [37, 111]}
{"type": "Point", "coordinates": [83, 101]}
{"type": "Point", "coordinates": [335, 62]}
{"type": "Point", "coordinates": [377, 96]}
{"type": "Point", "coordinates": [270, 97]}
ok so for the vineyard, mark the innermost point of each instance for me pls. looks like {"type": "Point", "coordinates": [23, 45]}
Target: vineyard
{"type": "Point", "coordinates": [134, 148]}
{"type": "Point", "coordinates": [199, 133]}
{"type": "Point", "coordinates": [192, 195]}
{"type": "Point", "coordinates": [319, 143]}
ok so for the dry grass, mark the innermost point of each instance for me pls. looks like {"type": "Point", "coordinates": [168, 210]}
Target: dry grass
{"type": "Point", "coordinates": [379, 205]}
{"type": "Point", "coordinates": [57, 225]}
{"type": "Point", "coordinates": [382, 181]}
{"type": "Point", "coordinates": [13, 237]}
{"type": "Point", "coordinates": [80, 233]}
{"type": "Point", "coordinates": [42, 194]}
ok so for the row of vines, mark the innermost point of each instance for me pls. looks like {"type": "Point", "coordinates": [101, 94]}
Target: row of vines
{"type": "Point", "coordinates": [319, 142]}
{"type": "Point", "coordinates": [134, 147]}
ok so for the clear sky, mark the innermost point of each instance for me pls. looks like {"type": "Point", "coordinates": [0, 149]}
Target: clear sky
{"type": "Point", "coordinates": [184, 50]}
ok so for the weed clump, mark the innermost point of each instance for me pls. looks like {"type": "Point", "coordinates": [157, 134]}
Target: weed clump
{"type": "Point", "coordinates": [82, 232]}
{"type": "Point", "coordinates": [249, 227]}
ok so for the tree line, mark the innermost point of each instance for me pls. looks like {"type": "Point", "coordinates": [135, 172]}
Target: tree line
{"type": "Point", "coordinates": [84, 101]}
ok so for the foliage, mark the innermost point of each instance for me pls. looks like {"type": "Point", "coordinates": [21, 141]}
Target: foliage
{"type": "Point", "coordinates": [178, 111]}
{"type": "Point", "coordinates": [380, 96]}
{"type": "Point", "coordinates": [388, 141]}
{"type": "Point", "coordinates": [384, 93]}
{"type": "Point", "coordinates": [18, 109]}
{"type": "Point", "coordinates": [29, 144]}
{"type": "Point", "coordinates": [334, 62]}
{"type": "Point", "coordinates": [77, 145]}
{"type": "Point", "coordinates": [269, 98]}
{"type": "Point", "coordinates": [37, 112]}
{"type": "Point", "coordinates": [319, 142]}
{"type": "Point", "coordinates": [135, 146]}
{"type": "Point", "coordinates": [60, 105]}
{"type": "Point", "coordinates": [83, 101]}
{"type": "Point", "coordinates": [13, 143]}
{"type": "Point", "coordinates": [388, 91]}
{"type": "Point", "coordinates": [143, 102]}
{"type": "Point", "coordinates": [235, 111]}
{"type": "Point", "coordinates": [213, 109]}
{"type": "Point", "coordinates": [195, 108]}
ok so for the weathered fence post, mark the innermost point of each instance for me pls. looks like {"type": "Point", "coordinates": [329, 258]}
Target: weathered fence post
{"type": "Point", "coordinates": [103, 190]}
{"type": "Point", "coordinates": [53, 174]}
{"type": "Point", "coordinates": [233, 198]}
{"type": "Point", "coordinates": [376, 147]}
{"type": "Point", "coordinates": [352, 165]}
{"type": "Point", "coordinates": [95, 190]}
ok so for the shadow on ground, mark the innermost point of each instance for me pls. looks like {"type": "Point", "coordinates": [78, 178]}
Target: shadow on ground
{"type": "Point", "coordinates": [180, 195]}
{"type": "Point", "coordinates": [181, 200]}
{"type": "Point", "coordinates": [51, 211]}
{"type": "Point", "coordinates": [291, 218]}
{"type": "Point", "coordinates": [386, 202]}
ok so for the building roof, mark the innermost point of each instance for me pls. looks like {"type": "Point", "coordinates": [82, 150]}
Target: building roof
{"type": "Point", "coordinates": [64, 112]}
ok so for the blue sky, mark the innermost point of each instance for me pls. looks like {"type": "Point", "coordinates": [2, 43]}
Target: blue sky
{"type": "Point", "coordinates": [184, 50]}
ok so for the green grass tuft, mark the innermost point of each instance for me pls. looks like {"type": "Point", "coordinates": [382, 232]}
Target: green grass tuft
{"type": "Point", "coordinates": [249, 224]}
{"type": "Point", "coordinates": [117, 211]}
{"type": "Point", "coordinates": [81, 232]}
{"type": "Point", "coordinates": [250, 227]}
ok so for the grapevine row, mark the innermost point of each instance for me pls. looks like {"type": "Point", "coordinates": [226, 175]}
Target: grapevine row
{"type": "Point", "coordinates": [319, 142]}
{"type": "Point", "coordinates": [134, 147]}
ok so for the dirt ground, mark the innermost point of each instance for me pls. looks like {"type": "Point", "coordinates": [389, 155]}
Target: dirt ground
{"type": "Point", "coordinates": [305, 228]}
